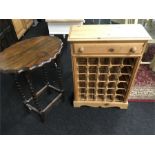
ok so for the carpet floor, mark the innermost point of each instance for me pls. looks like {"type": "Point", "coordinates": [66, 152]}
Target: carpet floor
{"type": "Point", "coordinates": [144, 86]}
{"type": "Point", "coordinates": [149, 54]}
{"type": "Point", "coordinates": [63, 119]}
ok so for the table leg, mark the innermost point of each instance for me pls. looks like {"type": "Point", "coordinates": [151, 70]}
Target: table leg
{"type": "Point", "coordinates": [19, 87]}
{"type": "Point", "coordinates": [31, 88]}
{"type": "Point", "coordinates": [43, 116]}
{"type": "Point", "coordinates": [46, 79]}
{"type": "Point", "coordinates": [59, 71]}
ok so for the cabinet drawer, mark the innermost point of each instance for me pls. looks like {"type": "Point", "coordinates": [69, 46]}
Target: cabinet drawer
{"type": "Point", "coordinates": [108, 48]}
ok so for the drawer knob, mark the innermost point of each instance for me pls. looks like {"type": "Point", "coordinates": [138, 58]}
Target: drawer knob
{"type": "Point", "coordinates": [81, 49]}
{"type": "Point", "coordinates": [111, 50]}
{"type": "Point", "coordinates": [133, 50]}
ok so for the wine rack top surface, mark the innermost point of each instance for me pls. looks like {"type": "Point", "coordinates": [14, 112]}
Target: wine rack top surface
{"type": "Point", "coordinates": [108, 32]}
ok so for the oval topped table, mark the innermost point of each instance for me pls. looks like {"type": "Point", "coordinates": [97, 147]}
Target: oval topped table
{"type": "Point", "coordinates": [27, 55]}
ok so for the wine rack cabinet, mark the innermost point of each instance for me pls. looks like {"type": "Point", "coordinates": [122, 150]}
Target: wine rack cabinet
{"type": "Point", "coordinates": [104, 68]}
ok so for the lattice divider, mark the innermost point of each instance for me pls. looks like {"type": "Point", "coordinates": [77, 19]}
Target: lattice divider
{"type": "Point", "coordinates": [103, 79]}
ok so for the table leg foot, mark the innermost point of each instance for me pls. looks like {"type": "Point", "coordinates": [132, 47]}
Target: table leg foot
{"type": "Point", "coordinates": [43, 116]}
{"type": "Point", "coordinates": [32, 91]}
{"type": "Point", "coordinates": [27, 108]}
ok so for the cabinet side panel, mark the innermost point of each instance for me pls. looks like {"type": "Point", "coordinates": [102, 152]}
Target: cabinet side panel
{"type": "Point", "coordinates": [73, 58]}
{"type": "Point", "coordinates": [136, 67]}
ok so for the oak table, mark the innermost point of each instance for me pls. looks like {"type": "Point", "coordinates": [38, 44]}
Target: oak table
{"type": "Point", "coordinates": [28, 55]}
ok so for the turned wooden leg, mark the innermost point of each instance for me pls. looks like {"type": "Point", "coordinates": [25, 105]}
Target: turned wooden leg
{"type": "Point", "coordinates": [21, 92]}
{"type": "Point", "coordinates": [31, 88]}
{"type": "Point", "coordinates": [59, 71]}
{"type": "Point", "coordinates": [45, 78]}
{"type": "Point", "coordinates": [19, 87]}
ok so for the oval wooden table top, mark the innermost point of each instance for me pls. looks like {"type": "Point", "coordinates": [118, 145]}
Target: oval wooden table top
{"type": "Point", "coordinates": [29, 54]}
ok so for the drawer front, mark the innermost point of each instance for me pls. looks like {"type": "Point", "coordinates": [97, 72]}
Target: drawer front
{"type": "Point", "coordinates": [108, 48]}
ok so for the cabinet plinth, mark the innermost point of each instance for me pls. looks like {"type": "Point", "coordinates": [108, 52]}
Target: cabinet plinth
{"type": "Point", "coordinates": [105, 63]}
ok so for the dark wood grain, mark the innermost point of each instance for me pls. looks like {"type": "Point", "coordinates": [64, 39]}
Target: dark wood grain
{"type": "Point", "coordinates": [29, 54]}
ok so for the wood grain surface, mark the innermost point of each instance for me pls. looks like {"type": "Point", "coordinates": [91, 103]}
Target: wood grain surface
{"type": "Point", "coordinates": [29, 54]}
{"type": "Point", "coordinates": [108, 32]}
{"type": "Point", "coordinates": [105, 59]}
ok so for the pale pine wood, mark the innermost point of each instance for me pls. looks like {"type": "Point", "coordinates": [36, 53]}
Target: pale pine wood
{"type": "Point", "coordinates": [108, 32]}
{"type": "Point", "coordinates": [104, 48]}
{"type": "Point", "coordinates": [135, 71]}
{"type": "Point", "coordinates": [133, 77]}
{"type": "Point", "coordinates": [19, 27]}
{"type": "Point", "coordinates": [107, 55]}
{"type": "Point", "coordinates": [101, 104]}
{"type": "Point", "coordinates": [28, 23]}
{"type": "Point", "coordinates": [76, 94]}
{"type": "Point", "coordinates": [103, 78]}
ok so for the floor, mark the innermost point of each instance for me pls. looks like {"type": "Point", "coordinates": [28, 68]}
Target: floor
{"type": "Point", "coordinates": [64, 119]}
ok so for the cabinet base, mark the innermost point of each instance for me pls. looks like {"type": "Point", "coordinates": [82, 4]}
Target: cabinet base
{"type": "Point", "coordinates": [121, 105]}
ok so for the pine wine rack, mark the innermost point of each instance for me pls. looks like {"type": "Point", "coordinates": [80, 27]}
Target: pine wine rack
{"type": "Point", "coordinates": [105, 59]}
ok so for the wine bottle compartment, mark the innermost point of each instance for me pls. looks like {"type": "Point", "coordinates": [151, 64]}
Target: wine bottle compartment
{"type": "Point", "coordinates": [104, 61]}
{"type": "Point", "coordinates": [92, 77]}
{"type": "Point", "coordinates": [82, 61]}
{"type": "Point", "coordinates": [115, 69]}
{"type": "Point", "coordinates": [93, 69]}
{"type": "Point", "coordinates": [104, 79]}
{"type": "Point", "coordinates": [103, 69]}
{"type": "Point", "coordinates": [82, 77]}
{"type": "Point", "coordinates": [113, 77]}
{"type": "Point", "coordinates": [117, 61]}
{"type": "Point", "coordinates": [93, 61]}
{"type": "Point", "coordinates": [82, 69]}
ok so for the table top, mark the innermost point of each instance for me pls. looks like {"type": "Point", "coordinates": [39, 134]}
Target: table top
{"type": "Point", "coordinates": [112, 32]}
{"type": "Point", "coordinates": [29, 54]}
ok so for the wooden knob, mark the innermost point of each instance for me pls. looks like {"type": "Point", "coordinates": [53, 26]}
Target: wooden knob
{"type": "Point", "coordinates": [111, 50]}
{"type": "Point", "coordinates": [133, 50]}
{"type": "Point", "coordinates": [81, 49]}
